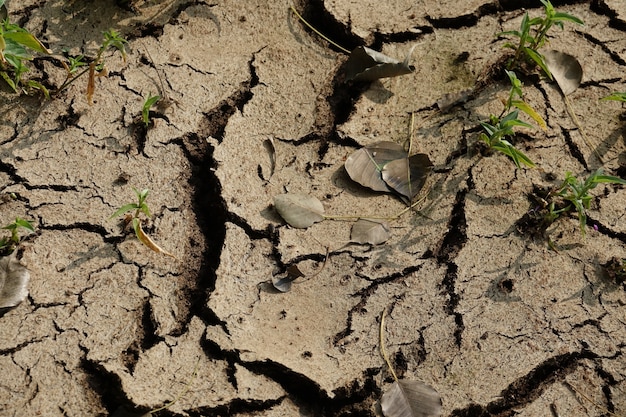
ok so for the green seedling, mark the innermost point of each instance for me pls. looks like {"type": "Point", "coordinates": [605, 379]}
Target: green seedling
{"type": "Point", "coordinates": [8, 244]}
{"type": "Point", "coordinates": [145, 110]}
{"type": "Point", "coordinates": [532, 35]}
{"type": "Point", "coordinates": [16, 44]}
{"type": "Point", "coordinates": [135, 218]}
{"type": "Point", "coordinates": [617, 96]}
{"type": "Point", "coordinates": [498, 128]}
{"type": "Point", "coordinates": [573, 194]}
{"type": "Point", "coordinates": [112, 40]}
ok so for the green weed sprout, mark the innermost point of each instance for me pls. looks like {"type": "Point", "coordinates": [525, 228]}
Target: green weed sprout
{"type": "Point", "coordinates": [8, 244]}
{"type": "Point", "coordinates": [532, 36]}
{"type": "Point", "coordinates": [574, 195]}
{"type": "Point", "coordinates": [499, 127]}
{"type": "Point", "coordinates": [145, 110]}
{"type": "Point", "coordinates": [112, 39]}
{"type": "Point", "coordinates": [140, 207]}
{"type": "Point", "coordinates": [617, 96]}
{"type": "Point", "coordinates": [15, 43]}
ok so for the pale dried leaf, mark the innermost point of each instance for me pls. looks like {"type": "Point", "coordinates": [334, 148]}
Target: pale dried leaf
{"type": "Point", "coordinates": [411, 399]}
{"type": "Point", "coordinates": [299, 210]}
{"type": "Point", "coordinates": [282, 282]}
{"type": "Point", "coordinates": [407, 176]}
{"type": "Point", "coordinates": [365, 165]}
{"type": "Point", "coordinates": [147, 240]}
{"type": "Point", "coordinates": [271, 150]}
{"type": "Point", "coordinates": [13, 281]}
{"type": "Point", "coordinates": [565, 69]}
{"type": "Point", "coordinates": [373, 232]}
{"type": "Point", "coordinates": [365, 64]}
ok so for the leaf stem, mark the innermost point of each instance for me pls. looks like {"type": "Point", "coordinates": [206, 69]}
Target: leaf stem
{"type": "Point", "coordinates": [383, 351]}
{"type": "Point", "coordinates": [318, 32]}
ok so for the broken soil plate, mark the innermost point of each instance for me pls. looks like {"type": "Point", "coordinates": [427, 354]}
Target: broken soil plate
{"type": "Point", "coordinates": [13, 281]}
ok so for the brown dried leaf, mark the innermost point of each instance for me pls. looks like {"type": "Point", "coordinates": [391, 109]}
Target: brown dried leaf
{"type": "Point", "coordinates": [365, 64]}
{"type": "Point", "coordinates": [299, 210]}
{"type": "Point", "coordinates": [565, 69]}
{"type": "Point", "coordinates": [407, 176]}
{"type": "Point", "coordinates": [13, 281]}
{"type": "Point", "coordinates": [366, 164]}
{"type": "Point", "coordinates": [373, 232]}
{"type": "Point", "coordinates": [283, 282]}
{"type": "Point", "coordinates": [411, 399]}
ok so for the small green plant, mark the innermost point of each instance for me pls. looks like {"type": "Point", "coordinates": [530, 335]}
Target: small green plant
{"type": "Point", "coordinates": [499, 127]}
{"type": "Point", "coordinates": [532, 36]}
{"type": "Point", "coordinates": [112, 39]}
{"type": "Point", "coordinates": [137, 208]}
{"type": "Point", "coordinates": [8, 244]}
{"type": "Point", "coordinates": [617, 96]}
{"type": "Point", "coordinates": [573, 194]}
{"type": "Point", "coordinates": [145, 110]}
{"type": "Point", "coordinates": [15, 44]}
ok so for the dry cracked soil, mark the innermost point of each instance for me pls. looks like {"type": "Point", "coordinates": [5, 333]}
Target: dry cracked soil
{"type": "Point", "coordinates": [496, 319]}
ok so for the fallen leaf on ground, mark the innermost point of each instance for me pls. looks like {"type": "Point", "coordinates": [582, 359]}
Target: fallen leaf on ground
{"type": "Point", "coordinates": [407, 176]}
{"type": "Point", "coordinates": [411, 399]}
{"type": "Point", "coordinates": [366, 164]}
{"type": "Point", "coordinates": [146, 240]}
{"type": "Point", "coordinates": [373, 232]}
{"type": "Point", "coordinates": [365, 64]}
{"type": "Point", "coordinates": [565, 69]}
{"type": "Point", "coordinates": [283, 281]}
{"type": "Point", "coordinates": [13, 281]}
{"type": "Point", "coordinates": [299, 210]}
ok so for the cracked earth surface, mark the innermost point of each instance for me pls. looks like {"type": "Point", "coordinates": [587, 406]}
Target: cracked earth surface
{"type": "Point", "coordinates": [496, 321]}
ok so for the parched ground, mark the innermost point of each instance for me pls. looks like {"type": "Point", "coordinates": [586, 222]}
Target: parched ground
{"type": "Point", "coordinates": [497, 321]}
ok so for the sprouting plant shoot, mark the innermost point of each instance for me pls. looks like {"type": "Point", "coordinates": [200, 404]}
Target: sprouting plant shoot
{"type": "Point", "coordinates": [573, 194]}
{"type": "Point", "coordinates": [137, 208]}
{"type": "Point", "coordinates": [532, 35]}
{"type": "Point", "coordinates": [8, 244]}
{"type": "Point", "coordinates": [112, 39]}
{"type": "Point", "coordinates": [499, 127]}
{"type": "Point", "coordinates": [15, 43]}
{"type": "Point", "coordinates": [617, 96]}
{"type": "Point", "coordinates": [147, 104]}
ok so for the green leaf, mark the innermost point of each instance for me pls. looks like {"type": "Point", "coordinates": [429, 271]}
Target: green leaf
{"type": "Point", "coordinates": [523, 106]}
{"type": "Point", "coordinates": [125, 208]}
{"type": "Point", "coordinates": [616, 96]}
{"type": "Point", "coordinates": [24, 224]}
{"type": "Point", "coordinates": [535, 56]}
{"type": "Point", "coordinates": [27, 39]}
{"type": "Point", "coordinates": [565, 17]}
{"type": "Point", "coordinates": [145, 111]}
{"type": "Point", "coordinates": [608, 179]}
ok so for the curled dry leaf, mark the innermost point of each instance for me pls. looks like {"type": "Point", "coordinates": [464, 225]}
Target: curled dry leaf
{"type": "Point", "coordinates": [282, 282]}
{"type": "Point", "coordinates": [373, 232]}
{"type": "Point", "coordinates": [146, 240]}
{"type": "Point", "coordinates": [366, 164]}
{"type": "Point", "coordinates": [565, 69]}
{"type": "Point", "coordinates": [299, 210]}
{"type": "Point", "coordinates": [411, 399]}
{"type": "Point", "coordinates": [365, 64]}
{"type": "Point", "coordinates": [13, 281]}
{"type": "Point", "coordinates": [271, 150]}
{"type": "Point", "coordinates": [407, 176]}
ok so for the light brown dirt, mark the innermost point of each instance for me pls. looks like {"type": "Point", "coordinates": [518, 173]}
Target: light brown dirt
{"type": "Point", "coordinates": [494, 319]}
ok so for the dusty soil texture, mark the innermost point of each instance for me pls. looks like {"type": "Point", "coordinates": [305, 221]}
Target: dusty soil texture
{"type": "Point", "coordinates": [481, 309]}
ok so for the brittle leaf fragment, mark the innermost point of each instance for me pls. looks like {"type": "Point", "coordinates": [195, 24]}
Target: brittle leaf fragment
{"type": "Point", "coordinates": [14, 279]}
{"type": "Point", "coordinates": [365, 64]}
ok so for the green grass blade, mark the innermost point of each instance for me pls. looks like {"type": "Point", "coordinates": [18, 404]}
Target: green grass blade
{"type": "Point", "coordinates": [124, 209]}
